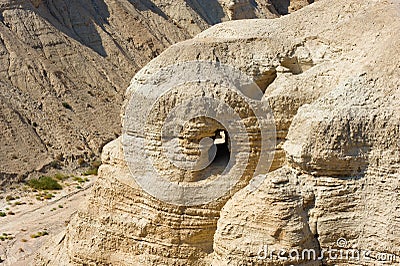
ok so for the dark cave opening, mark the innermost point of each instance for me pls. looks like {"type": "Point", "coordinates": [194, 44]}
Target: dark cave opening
{"type": "Point", "coordinates": [221, 140]}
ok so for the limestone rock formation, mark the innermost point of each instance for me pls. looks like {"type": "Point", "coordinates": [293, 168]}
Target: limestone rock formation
{"type": "Point", "coordinates": [66, 64]}
{"type": "Point", "coordinates": [331, 74]}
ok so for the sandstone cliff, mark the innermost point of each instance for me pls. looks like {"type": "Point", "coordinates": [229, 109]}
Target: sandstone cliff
{"type": "Point", "coordinates": [331, 75]}
{"type": "Point", "coordinates": [66, 64]}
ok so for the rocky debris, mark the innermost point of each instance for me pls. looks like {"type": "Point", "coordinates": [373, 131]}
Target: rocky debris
{"type": "Point", "coordinates": [66, 64]}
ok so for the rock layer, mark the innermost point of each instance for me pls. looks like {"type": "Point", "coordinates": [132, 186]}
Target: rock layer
{"type": "Point", "coordinates": [331, 75]}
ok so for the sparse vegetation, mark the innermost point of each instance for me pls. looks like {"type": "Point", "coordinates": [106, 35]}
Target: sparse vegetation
{"type": "Point", "coordinates": [61, 177]}
{"type": "Point", "coordinates": [44, 195]}
{"type": "Point", "coordinates": [44, 183]}
{"type": "Point", "coordinates": [78, 179]}
{"type": "Point", "coordinates": [6, 236]}
{"type": "Point", "coordinates": [39, 234]}
{"type": "Point", "coordinates": [10, 198]}
{"type": "Point", "coordinates": [91, 171]}
{"type": "Point", "coordinates": [3, 214]}
{"type": "Point", "coordinates": [48, 196]}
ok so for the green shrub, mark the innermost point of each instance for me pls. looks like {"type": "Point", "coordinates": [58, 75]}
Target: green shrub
{"type": "Point", "coordinates": [3, 214]}
{"type": "Point", "coordinates": [78, 179]}
{"type": "Point", "coordinates": [44, 183]}
{"type": "Point", "coordinates": [44, 195]}
{"type": "Point", "coordinates": [10, 198]}
{"type": "Point", "coordinates": [48, 196]}
{"type": "Point", "coordinates": [39, 234]}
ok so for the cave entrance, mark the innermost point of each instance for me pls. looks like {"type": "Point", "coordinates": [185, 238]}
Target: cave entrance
{"type": "Point", "coordinates": [219, 135]}
{"type": "Point", "coordinates": [221, 140]}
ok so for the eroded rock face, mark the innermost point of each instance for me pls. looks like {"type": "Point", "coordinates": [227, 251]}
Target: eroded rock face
{"type": "Point", "coordinates": [65, 66]}
{"type": "Point", "coordinates": [247, 9]}
{"type": "Point", "coordinates": [331, 76]}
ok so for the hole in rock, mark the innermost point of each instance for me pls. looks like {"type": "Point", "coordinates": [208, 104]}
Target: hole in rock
{"type": "Point", "coordinates": [221, 159]}
{"type": "Point", "coordinates": [292, 63]}
{"type": "Point", "coordinates": [221, 139]}
{"type": "Point", "coordinates": [263, 80]}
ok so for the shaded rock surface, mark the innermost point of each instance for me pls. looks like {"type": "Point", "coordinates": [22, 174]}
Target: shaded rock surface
{"type": "Point", "coordinates": [330, 73]}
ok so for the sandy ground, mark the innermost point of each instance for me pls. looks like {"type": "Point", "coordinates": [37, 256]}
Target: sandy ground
{"type": "Point", "coordinates": [32, 215]}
